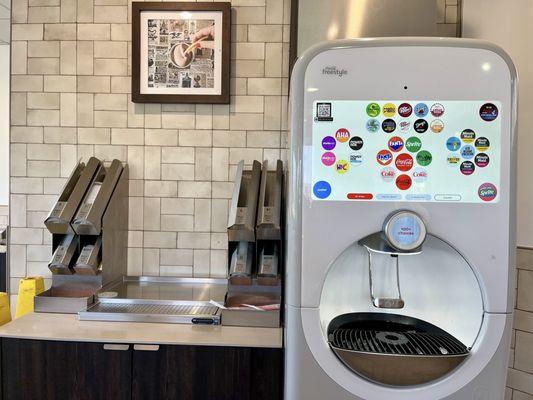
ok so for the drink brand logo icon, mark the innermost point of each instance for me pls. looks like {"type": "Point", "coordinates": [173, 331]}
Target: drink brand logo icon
{"type": "Point", "coordinates": [322, 189]}
{"type": "Point", "coordinates": [453, 159]}
{"type": "Point", "coordinates": [453, 144]}
{"type": "Point", "coordinates": [413, 144]}
{"type": "Point", "coordinates": [437, 110]}
{"type": "Point", "coordinates": [328, 143]}
{"type": "Point", "coordinates": [482, 144]}
{"type": "Point", "coordinates": [468, 135]}
{"type": "Point", "coordinates": [384, 157]}
{"type": "Point", "coordinates": [487, 192]}
{"type": "Point", "coordinates": [342, 166]}
{"type": "Point", "coordinates": [388, 125]}
{"type": "Point", "coordinates": [388, 174]}
{"type": "Point", "coordinates": [373, 110]}
{"type": "Point", "coordinates": [468, 152]}
{"type": "Point", "coordinates": [395, 143]}
{"type": "Point", "coordinates": [421, 125]}
{"type": "Point", "coordinates": [467, 168]}
{"type": "Point", "coordinates": [334, 70]}
{"type": "Point", "coordinates": [342, 135]}
{"type": "Point", "coordinates": [419, 175]}
{"type": "Point", "coordinates": [437, 126]}
{"type": "Point", "coordinates": [405, 126]}
{"type": "Point", "coordinates": [404, 162]}
{"type": "Point", "coordinates": [482, 160]}
{"type": "Point", "coordinates": [323, 112]}
{"type": "Point", "coordinates": [488, 112]}
{"type": "Point", "coordinates": [389, 110]}
{"type": "Point", "coordinates": [404, 182]}
{"type": "Point", "coordinates": [328, 159]}
{"type": "Point", "coordinates": [372, 125]}
{"type": "Point", "coordinates": [424, 158]}
{"type": "Point", "coordinates": [421, 110]}
{"type": "Point", "coordinates": [356, 159]}
{"type": "Point", "coordinates": [405, 110]}
{"type": "Point", "coordinates": [356, 143]}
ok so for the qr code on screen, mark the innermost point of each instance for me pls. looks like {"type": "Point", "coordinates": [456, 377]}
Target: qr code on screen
{"type": "Point", "coordinates": [323, 110]}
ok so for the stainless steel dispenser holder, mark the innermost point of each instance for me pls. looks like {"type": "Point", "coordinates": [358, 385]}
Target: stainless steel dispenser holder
{"type": "Point", "coordinates": [88, 220]}
{"type": "Point", "coordinates": [241, 224]}
{"type": "Point", "coordinates": [243, 207]}
{"type": "Point", "coordinates": [96, 255]}
{"type": "Point", "coordinates": [254, 288]}
{"type": "Point", "coordinates": [58, 221]}
{"type": "Point", "coordinates": [268, 226]}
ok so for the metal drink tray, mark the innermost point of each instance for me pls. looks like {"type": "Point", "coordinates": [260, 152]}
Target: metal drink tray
{"type": "Point", "coordinates": [159, 299]}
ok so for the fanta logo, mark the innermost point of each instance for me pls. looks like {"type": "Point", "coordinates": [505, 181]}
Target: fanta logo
{"type": "Point", "coordinates": [395, 143]}
{"type": "Point", "coordinates": [384, 157]}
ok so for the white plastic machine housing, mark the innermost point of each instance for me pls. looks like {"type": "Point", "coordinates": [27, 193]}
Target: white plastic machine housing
{"type": "Point", "coordinates": [481, 235]}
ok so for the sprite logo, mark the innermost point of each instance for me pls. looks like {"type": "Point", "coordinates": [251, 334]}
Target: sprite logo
{"type": "Point", "coordinates": [373, 110]}
{"type": "Point", "coordinates": [424, 158]}
{"type": "Point", "coordinates": [413, 144]}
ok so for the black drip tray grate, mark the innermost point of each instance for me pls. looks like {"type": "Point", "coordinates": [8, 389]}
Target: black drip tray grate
{"type": "Point", "coordinates": [396, 343]}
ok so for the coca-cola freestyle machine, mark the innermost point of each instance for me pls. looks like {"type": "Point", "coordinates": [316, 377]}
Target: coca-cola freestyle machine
{"type": "Point", "coordinates": [401, 221]}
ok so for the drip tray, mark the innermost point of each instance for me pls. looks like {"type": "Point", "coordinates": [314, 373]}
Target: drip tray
{"type": "Point", "coordinates": [159, 299]}
{"type": "Point", "coordinates": [177, 312]}
{"type": "Point", "coordinates": [393, 349]}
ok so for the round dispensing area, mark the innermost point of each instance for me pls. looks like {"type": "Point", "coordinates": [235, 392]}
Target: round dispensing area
{"type": "Point", "coordinates": [401, 319]}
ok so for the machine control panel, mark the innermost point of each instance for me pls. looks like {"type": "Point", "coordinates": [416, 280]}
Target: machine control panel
{"type": "Point", "coordinates": [405, 230]}
{"type": "Point", "coordinates": [415, 151]}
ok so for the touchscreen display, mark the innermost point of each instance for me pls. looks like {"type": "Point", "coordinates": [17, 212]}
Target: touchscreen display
{"type": "Point", "coordinates": [420, 150]}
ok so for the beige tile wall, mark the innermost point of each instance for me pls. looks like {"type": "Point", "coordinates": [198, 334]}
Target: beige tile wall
{"type": "Point", "coordinates": [520, 377]}
{"type": "Point", "coordinates": [71, 99]}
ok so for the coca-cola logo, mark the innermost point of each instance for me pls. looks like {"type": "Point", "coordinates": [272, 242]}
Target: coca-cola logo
{"type": "Point", "coordinates": [404, 182]}
{"type": "Point", "coordinates": [404, 162]}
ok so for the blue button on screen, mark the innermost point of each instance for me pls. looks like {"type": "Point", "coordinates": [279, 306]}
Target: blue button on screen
{"type": "Point", "coordinates": [322, 189]}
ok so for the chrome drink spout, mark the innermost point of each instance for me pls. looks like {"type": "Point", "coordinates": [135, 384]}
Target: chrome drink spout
{"type": "Point", "coordinates": [403, 234]}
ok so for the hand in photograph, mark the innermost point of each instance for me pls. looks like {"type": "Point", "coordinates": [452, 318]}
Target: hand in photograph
{"type": "Point", "coordinates": [204, 37]}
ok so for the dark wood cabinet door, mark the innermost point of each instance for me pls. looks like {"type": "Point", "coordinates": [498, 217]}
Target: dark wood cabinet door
{"type": "Point", "coordinates": [48, 370]}
{"type": "Point", "coordinates": [207, 373]}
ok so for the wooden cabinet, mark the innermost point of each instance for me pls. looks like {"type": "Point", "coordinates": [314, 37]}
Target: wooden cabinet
{"type": "Point", "coordinates": [33, 369]}
{"type": "Point", "coordinates": [201, 373]}
{"type": "Point", "coordinates": [42, 370]}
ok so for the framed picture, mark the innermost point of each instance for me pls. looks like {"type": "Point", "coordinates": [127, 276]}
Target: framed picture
{"type": "Point", "coordinates": [181, 52]}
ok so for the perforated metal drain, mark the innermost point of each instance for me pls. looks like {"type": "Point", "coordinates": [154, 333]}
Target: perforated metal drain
{"type": "Point", "coordinates": [160, 309]}
{"type": "Point", "coordinates": [398, 343]}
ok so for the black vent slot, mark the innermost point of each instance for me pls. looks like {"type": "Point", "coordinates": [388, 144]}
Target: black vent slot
{"type": "Point", "coordinates": [397, 343]}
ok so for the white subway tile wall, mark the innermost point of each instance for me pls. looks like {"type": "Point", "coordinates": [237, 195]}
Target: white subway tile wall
{"type": "Point", "coordinates": [71, 99]}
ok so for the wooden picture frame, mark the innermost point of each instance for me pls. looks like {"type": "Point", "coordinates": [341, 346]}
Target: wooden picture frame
{"type": "Point", "coordinates": [181, 52]}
